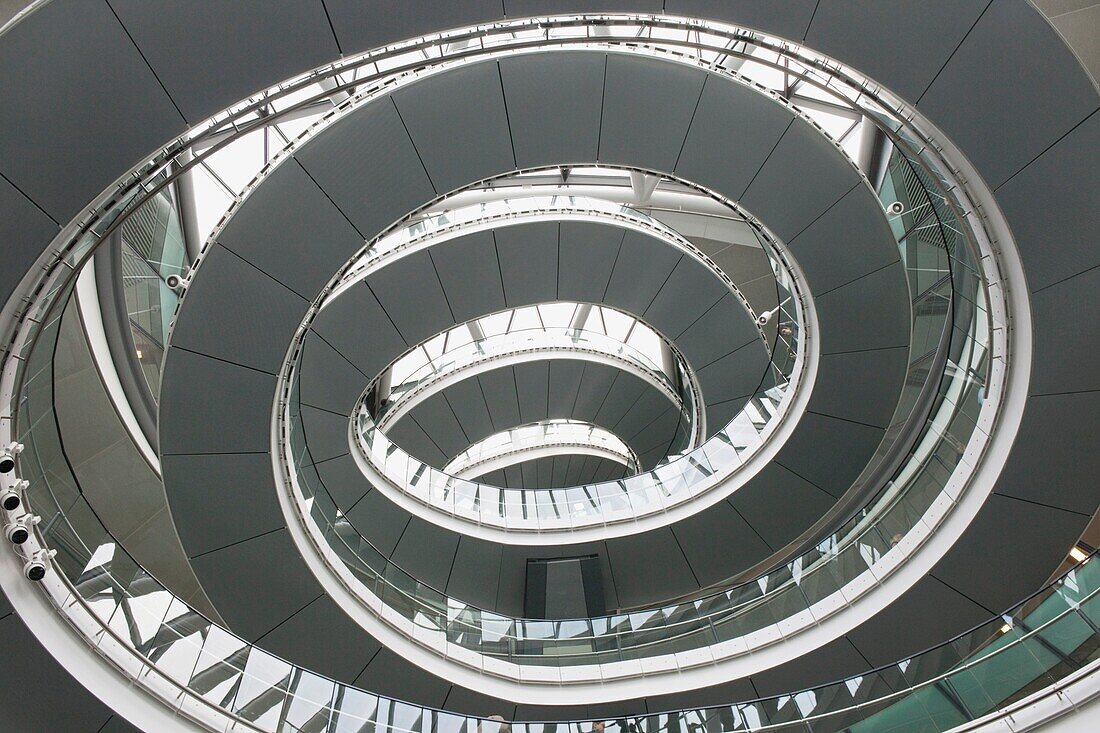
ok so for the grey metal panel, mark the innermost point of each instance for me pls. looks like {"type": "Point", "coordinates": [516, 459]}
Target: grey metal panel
{"type": "Point", "coordinates": [532, 386]}
{"type": "Point", "coordinates": [586, 257]}
{"type": "Point", "coordinates": [239, 580]}
{"type": "Point", "coordinates": [641, 563]}
{"type": "Point", "coordinates": [788, 19]}
{"type": "Point", "coordinates": [436, 418]}
{"type": "Point", "coordinates": [780, 505]}
{"type": "Point", "coordinates": [723, 327]}
{"type": "Point", "coordinates": [328, 380]}
{"type": "Point", "coordinates": [25, 231]}
{"type": "Point", "coordinates": [834, 661]}
{"type": "Point", "coordinates": [711, 538]}
{"type": "Point", "coordinates": [747, 123]}
{"type": "Point", "coordinates": [641, 269]}
{"type": "Point", "coordinates": [657, 434]}
{"type": "Point", "coordinates": [554, 104]}
{"type": "Point", "coordinates": [426, 551]}
{"type": "Point", "coordinates": [1015, 540]}
{"type": "Point", "coordinates": [908, 59]}
{"type": "Point", "coordinates": [391, 676]}
{"type": "Point", "coordinates": [642, 414]}
{"type": "Point", "coordinates": [37, 693]}
{"type": "Point", "coordinates": [1061, 432]}
{"type": "Point", "coordinates": [326, 434]}
{"type": "Point", "coordinates": [804, 175]}
{"type": "Point", "coordinates": [368, 166]}
{"type": "Point", "coordinates": [379, 520]}
{"type": "Point", "coordinates": [411, 437]}
{"type": "Point", "coordinates": [409, 291]}
{"type": "Point", "coordinates": [828, 451]}
{"type": "Point", "coordinates": [343, 479]}
{"type": "Point", "coordinates": [459, 125]}
{"type": "Point", "coordinates": [342, 654]}
{"type": "Point", "coordinates": [735, 375]}
{"type": "Point", "coordinates": [989, 79]}
{"type": "Point", "coordinates": [689, 291]}
{"type": "Point", "coordinates": [499, 388]}
{"type": "Point", "coordinates": [870, 313]}
{"type": "Point", "coordinates": [528, 258]}
{"type": "Point", "coordinates": [226, 51]}
{"type": "Point", "coordinates": [624, 392]}
{"type": "Point", "coordinates": [1051, 205]}
{"type": "Point", "coordinates": [362, 26]}
{"type": "Point", "coordinates": [358, 328]}
{"type": "Point", "coordinates": [222, 408]}
{"type": "Point", "coordinates": [851, 239]}
{"type": "Point", "coordinates": [862, 386]}
{"type": "Point", "coordinates": [470, 409]}
{"type": "Point", "coordinates": [929, 612]}
{"type": "Point", "coordinates": [647, 106]}
{"type": "Point", "coordinates": [558, 467]}
{"type": "Point", "coordinates": [56, 143]}
{"type": "Point", "coordinates": [595, 384]}
{"type": "Point", "coordinates": [475, 573]}
{"type": "Point", "coordinates": [470, 274]}
{"type": "Point", "coordinates": [565, 380]}
{"type": "Point", "coordinates": [234, 312]}
{"type": "Point", "coordinates": [218, 500]}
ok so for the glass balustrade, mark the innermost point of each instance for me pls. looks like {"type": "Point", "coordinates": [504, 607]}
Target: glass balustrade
{"type": "Point", "coordinates": [122, 610]}
{"type": "Point", "coordinates": [908, 505]}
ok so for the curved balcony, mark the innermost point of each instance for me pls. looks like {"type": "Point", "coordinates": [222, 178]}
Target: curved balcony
{"type": "Point", "coordinates": [531, 442]}
{"type": "Point", "coordinates": [876, 539]}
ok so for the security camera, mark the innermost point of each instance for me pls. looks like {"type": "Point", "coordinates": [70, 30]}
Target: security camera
{"type": "Point", "coordinates": [766, 316]}
{"type": "Point", "coordinates": [19, 531]}
{"type": "Point", "coordinates": [7, 457]}
{"type": "Point", "coordinates": [174, 281]}
{"type": "Point", "coordinates": [35, 567]}
{"type": "Point", "coordinates": [895, 208]}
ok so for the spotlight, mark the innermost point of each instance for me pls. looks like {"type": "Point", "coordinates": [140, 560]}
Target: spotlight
{"type": "Point", "coordinates": [19, 531]}
{"type": "Point", "coordinates": [7, 457]}
{"type": "Point", "coordinates": [895, 208]}
{"type": "Point", "coordinates": [1078, 554]}
{"type": "Point", "coordinates": [35, 567]}
{"type": "Point", "coordinates": [10, 498]}
{"type": "Point", "coordinates": [175, 282]}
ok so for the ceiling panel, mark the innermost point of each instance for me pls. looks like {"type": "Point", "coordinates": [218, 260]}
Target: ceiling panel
{"type": "Point", "coordinates": [25, 231]}
{"type": "Point", "coordinates": [499, 388]}
{"type": "Point", "coordinates": [647, 106]}
{"type": "Point", "coordinates": [643, 266]}
{"type": "Point", "coordinates": [689, 291]}
{"type": "Point", "coordinates": [236, 313]}
{"type": "Point", "coordinates": [586, 257]}
{"type": "Point", "coordinates": [470, 274]}
{"type": "Point", "coordinates": [476, 571]}
{"type": "Point", "coordinates": [851, 239]}
{"type": "Point", "coordinates": [780, 505]}
{"type": "Point", "coordinates": [427, 552]}
{"type": "Point", "coordinates": [358, 328]}
{"type": "Point", "coordinates": [362, 26]}
{"type": "Point", "coordinates": [532, 386]}
{"type": "Point", "coordinates": [409, 291]}
{"type": "Point", "coordinates": [788, 19]}
{"type": "Point", "coordinates": [218, 500]}
{"type": "Point", "coordinates": [554, 104]}
{"type": "Point", "coordinates": [368, 166]}
{"type": "Point", "coordinates": [436, 418]}
{"type": "Point", "coordinates": [296, 640]}
{"type": "Point", "coordinates": [459, 125]}
{"type": "Point", "coordinates": [469, 407]}
{"type": "Point", "coordinates": [326, 379]}
{"type": "Point", "coordinates": [211, 406]}
{"type": "Point", "coordinates": [804, 175]}
{"type": "Point", "coordinates": [326, 434]}
{"type": "Point", "coordinates": [528, 257]}
{"type": "Point", "coordinates": [53, 148]}
{"type": "Point", "coordinates": [870, 313]}
{"type": "Point", "coordinates": [379, 520]}
{"type": "Point", "coordinates": [906, 61]}
{"type": "Point", "coordinates": [748, 123]}
{"type": "Point", "coordinates": [639, 578]}
{"type": "Point", "coordinates": [210, 59]}
{"type": "Point", "coordinates": [829, 452]}
{"type": "Point", "coordinates": [719, 543]}
{"type": "Point", "coordinates": [343, 479]}
{"type": "Point", "coordinates": [1029, 104]}
{"type": "Point", "coordinates": [862, 386]}
{"type": "Point", "coordinates": [240, 580]}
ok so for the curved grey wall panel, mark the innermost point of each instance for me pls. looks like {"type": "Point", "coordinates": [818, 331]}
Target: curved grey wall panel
{"type": "Point", "coordinates": [361, 319]}
{"type": "Point", "coordinates": [48, 180]}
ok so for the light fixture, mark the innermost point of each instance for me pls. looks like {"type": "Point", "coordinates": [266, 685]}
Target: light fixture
{"type": "Point", "coordinates": [1006, 628]}
{"type": "Point", "coordinates": [1078, 554]}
